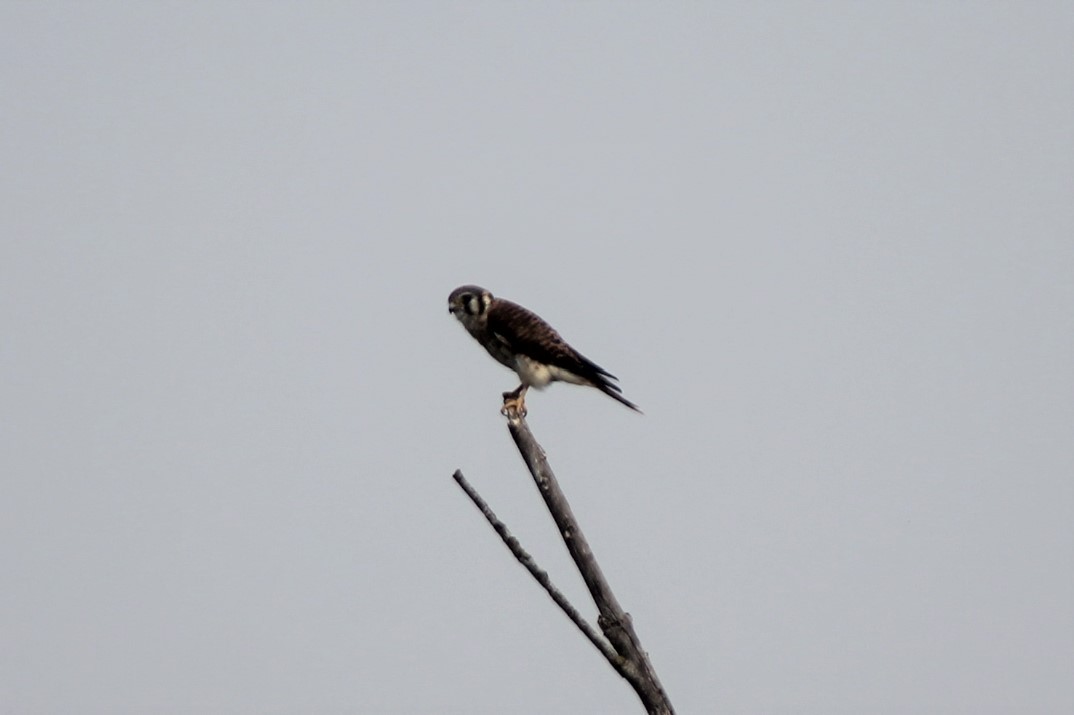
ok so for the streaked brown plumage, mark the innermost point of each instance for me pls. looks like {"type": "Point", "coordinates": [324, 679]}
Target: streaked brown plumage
{"type": "Point", "coordinates": [524, 342]}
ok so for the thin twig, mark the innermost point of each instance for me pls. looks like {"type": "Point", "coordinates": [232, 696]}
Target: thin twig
{"type": "Point", "coordinates": [539, 574]}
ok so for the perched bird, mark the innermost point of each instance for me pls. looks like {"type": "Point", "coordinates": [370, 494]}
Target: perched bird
{"type": "Point", "coordinates": [531, 347]}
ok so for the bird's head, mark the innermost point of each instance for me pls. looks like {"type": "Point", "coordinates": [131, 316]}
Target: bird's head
{"type": "Point", "coordinates": [469, 303]}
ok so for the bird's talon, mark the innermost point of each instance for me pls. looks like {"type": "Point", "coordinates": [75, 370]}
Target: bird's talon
{"type": "Point", "coordinates": [512, 406]}
{"type": "Point", "coordinates": [514, 402]}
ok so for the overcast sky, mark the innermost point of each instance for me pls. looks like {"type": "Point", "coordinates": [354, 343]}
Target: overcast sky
{"type": "Point", "coordinates": [827, 247]}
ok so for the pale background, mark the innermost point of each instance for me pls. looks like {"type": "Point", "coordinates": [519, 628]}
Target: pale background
{"type": "Point", "coordinates": [827, 247]}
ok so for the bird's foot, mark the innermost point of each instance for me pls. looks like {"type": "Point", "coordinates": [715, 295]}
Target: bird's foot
{"type": "Point", "coordinates": [514, 403]}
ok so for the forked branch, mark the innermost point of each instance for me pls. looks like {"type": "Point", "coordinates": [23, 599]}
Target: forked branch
{"type": "Point", "coordinates": [625, 652]}
{"type": "Point", "coordinates": [539, 574]}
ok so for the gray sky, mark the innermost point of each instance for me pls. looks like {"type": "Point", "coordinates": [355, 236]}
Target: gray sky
{"type": "Point", "coordinates": [828, 248]}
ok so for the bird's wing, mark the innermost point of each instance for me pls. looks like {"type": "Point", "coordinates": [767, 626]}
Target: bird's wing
{"type": "Point", "coordinates": [526, 333]}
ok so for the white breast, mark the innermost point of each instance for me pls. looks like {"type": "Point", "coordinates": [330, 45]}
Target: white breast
{"type": "Point", "coordinates": [531, 372]}
{"type": "Point", "coordinates": [536, 374]}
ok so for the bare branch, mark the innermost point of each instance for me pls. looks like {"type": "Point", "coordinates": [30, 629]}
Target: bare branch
{"type": "Point", "coordinates": [625, 654]}
{"type": "Point", "coordinates": [633, 662]}
{"type": "Point", "coordinates": [539, 574]}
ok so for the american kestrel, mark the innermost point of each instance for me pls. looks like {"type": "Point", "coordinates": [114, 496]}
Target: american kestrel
{"type": "Point", "coordinates": [531, 347]}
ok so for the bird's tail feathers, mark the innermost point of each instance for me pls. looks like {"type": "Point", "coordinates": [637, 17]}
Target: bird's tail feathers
{"type": "Point", "coordinates": [614, 391]}
{"type": "Point", "coordinates": [603, 382]}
